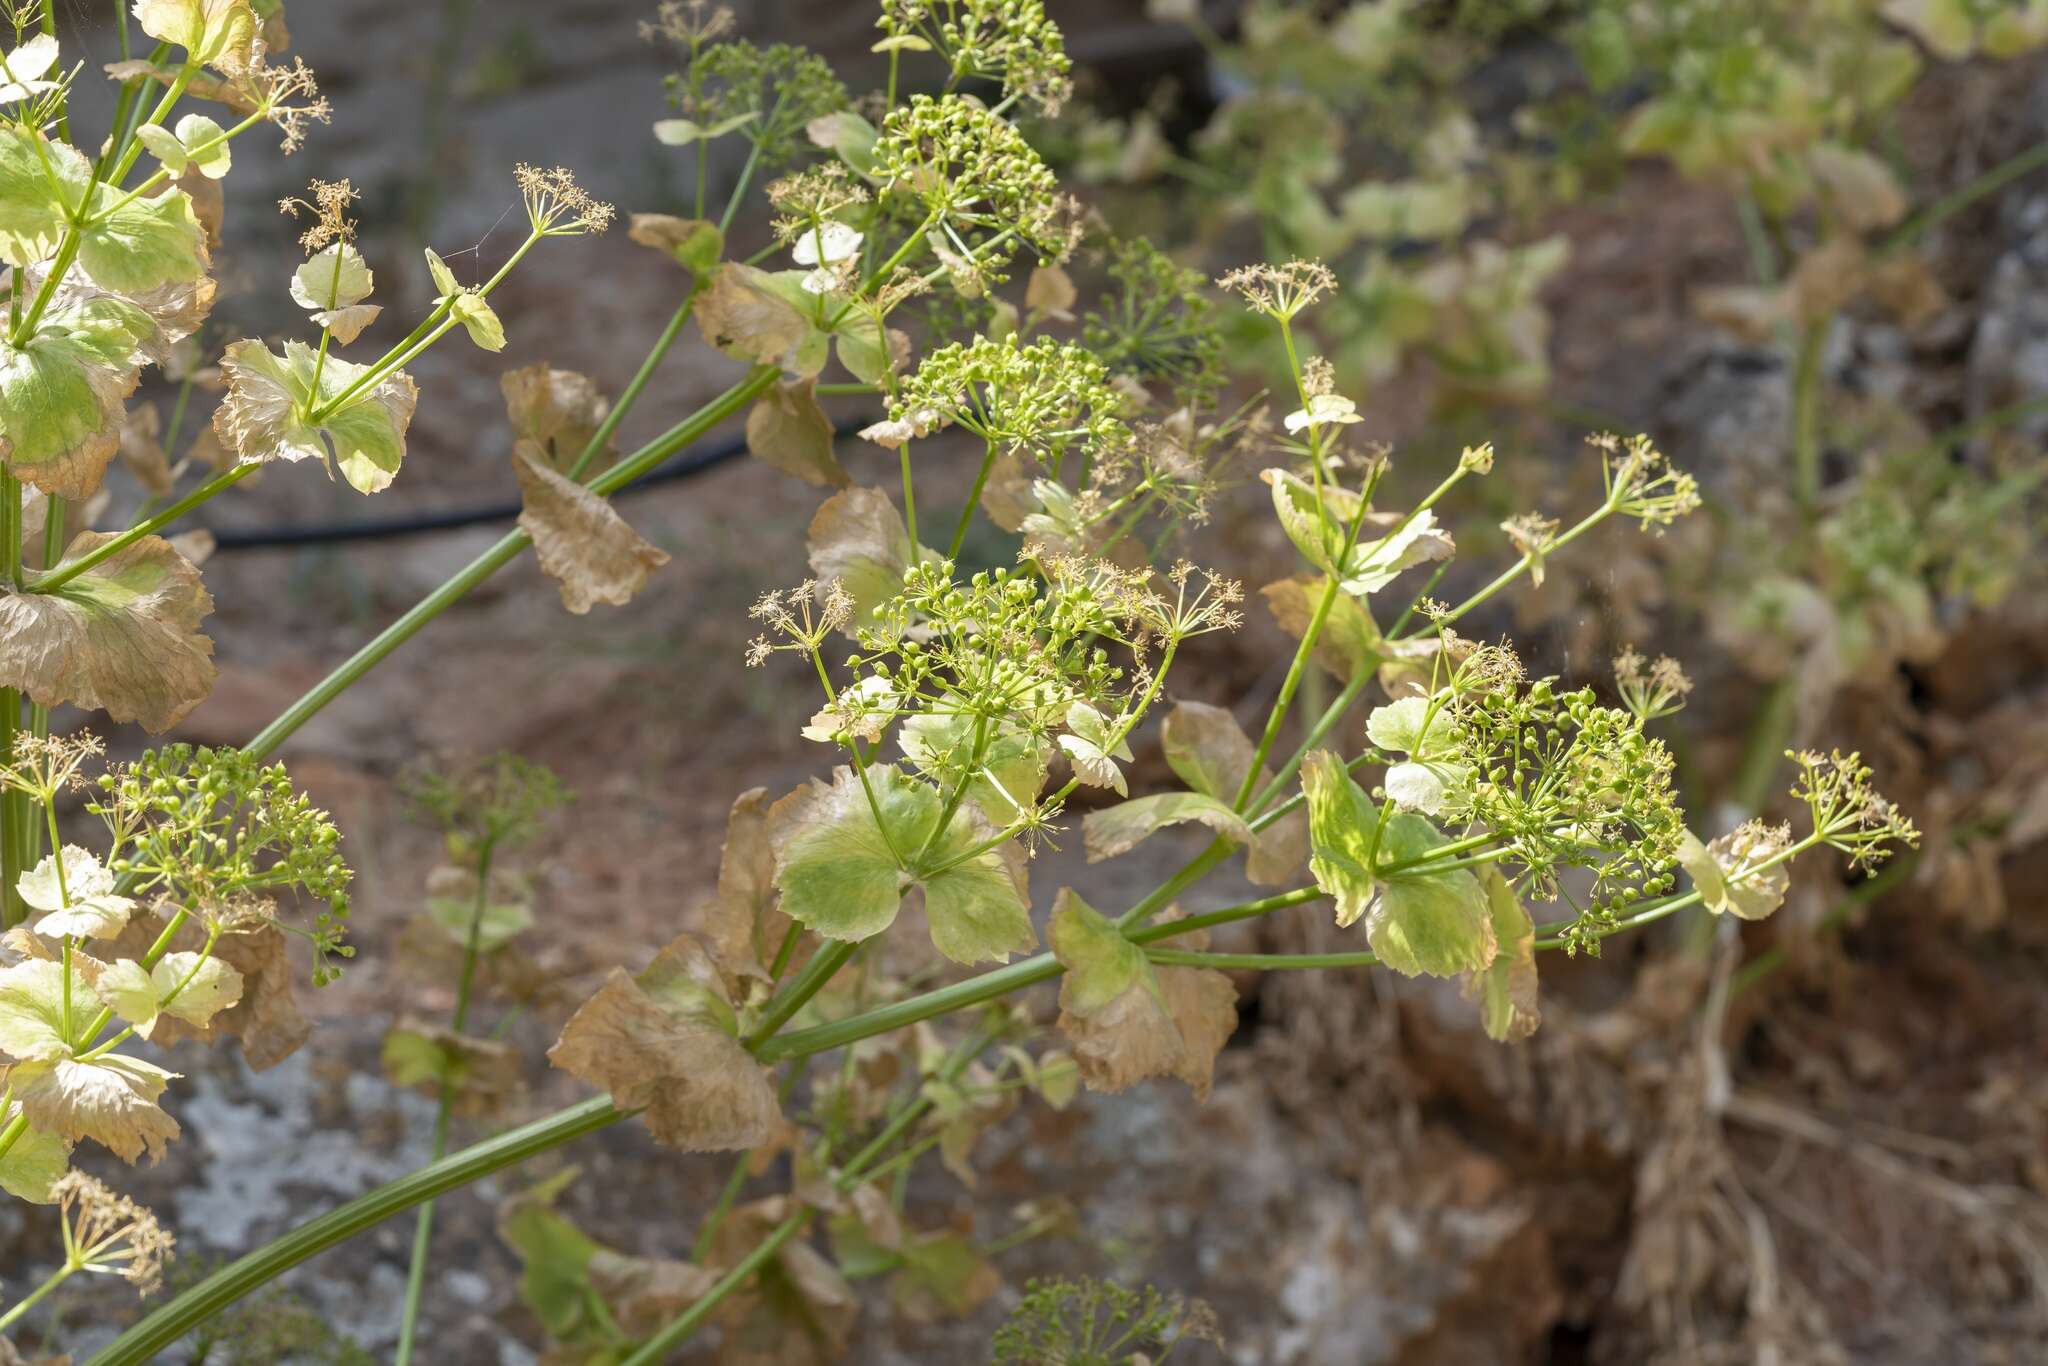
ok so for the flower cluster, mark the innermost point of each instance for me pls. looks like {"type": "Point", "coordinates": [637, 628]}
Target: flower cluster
{"type": "Point", "coordinates": [1041, 398]}
{"type": "Point", "coordinates": [1008, 41]}
{"type": "Point", "coordinates": [770, 93]}
{"type": "Point", "coordinates": [975, 173]}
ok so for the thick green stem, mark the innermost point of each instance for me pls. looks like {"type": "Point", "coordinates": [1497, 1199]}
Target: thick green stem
{"type": "Point", "coordinates": [157, 1331]}
{"type": "Point", "coordinates": [823, 965]}
{"type": "Point", "coordinates": [496, 558]}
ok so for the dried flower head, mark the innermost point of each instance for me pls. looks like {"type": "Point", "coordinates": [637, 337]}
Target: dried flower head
{"type": "Point", "coordinates": [688, 23]}
{"type": "Point", "coordinates": [329, 210]}
{"type": "Point", "coordinates": [45, 765]}
{"type": "Point", "coordinates": [802, 616]}
{"type": "Point", "coordinates": [1848, 813]}
{"type": "Point", "coordinates": [1650, 690]}
{"type": "Point", "coordinates": [1641, 483]}
{"type": "Point", "coordinates": [556, 205]}
{"type": "Point", "coordinates": [1280, 292]}
{"type": "Point", "coordinates": [109, 1234]}
{"type": "Point", "coordinates": [287, 96]}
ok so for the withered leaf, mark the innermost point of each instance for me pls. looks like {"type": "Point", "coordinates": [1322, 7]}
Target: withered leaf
{"type": "Point", "coordinates": [789, 431]}
{"type": "Point", "coordinates": [123, 637]}
{"type": "Point", "coordinates": [665, 1043]}
{"type": "Point", "coordinates": [585, 546]}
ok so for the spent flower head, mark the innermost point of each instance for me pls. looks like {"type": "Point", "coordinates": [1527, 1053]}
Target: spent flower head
{"type": "Point", "coordinates": [1641, 483]}
{"type": "Point", "coordinates": [285, 95]}
{"type": "Point", "coordinates": [556, 205]}
{"type": "Point", "coordinates": [1280, 292]}
{"type": "Point", "coordinates": [1650, 690]}
{"type": "Point", "coordinates": [689, 23]}
{"type": "Point", "coordinates": [328, 207]}
{"type": "Point", "coordinates": [109, 1234]}
{"type": "Point", "coordinates": [799, 619]}
{"type": "Point", "coordinates": [1848, 813]}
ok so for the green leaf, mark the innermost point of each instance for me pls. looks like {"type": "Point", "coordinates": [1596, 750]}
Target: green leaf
{"type": "Point", "coordinates": [683, 132]}
{"type": "Point", "coordinates": [212, 32]}
{"type": "Point", "coordinates": [839, 875]}
{"type": "Point", "coordinates": [445, 283]}
{"type": "Point", "coordinates": [1506, 989]}
{"type": "Point", "coordinates": [1387, 542]}
{"type": "Point", "coordinates": [1120, 828]}
{"type": "Point", "coordinates": [864, 348]}
{"type": "Point", "coordinates": [834, 865]}
{"type": "Point", "coordinates": [1090, 749]}
{"type": "Point", "coordinates": [1341, 821]}
{"type": "Point", "coordinates": [1424, 728]}
{"type": "Point", "coordinates": [266, 413]}
{"type": "Point", "coordinates": [32, 1009]}
{"type": "Point", "coordinates": [61, 393]}
{"type": "Point", "coordinates": [129, 991]}
{"type": "Point", "coordinates": [337, 277]}
{"type": "Point", "coordinates": [128, 245]}
{"type": "Point", "coordinates": [1435, 923]}
{"type": "Point", "coordinates": [31, 1167]}
{"type": "Point", "coordinates": [977, 908]}
{"type": "Point", "coordinates": [1726, 871]}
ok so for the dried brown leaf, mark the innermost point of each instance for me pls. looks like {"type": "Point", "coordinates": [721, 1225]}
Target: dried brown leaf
{"type": "Point", "coordinates": [585, 546]}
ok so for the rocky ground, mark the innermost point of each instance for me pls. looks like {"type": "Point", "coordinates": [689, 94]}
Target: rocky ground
{"type": "Point", "coordinates": [1846, 1160]}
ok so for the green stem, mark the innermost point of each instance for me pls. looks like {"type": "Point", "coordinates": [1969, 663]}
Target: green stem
{"type": "Point", "coordinates": [423, 1227]}
{"type": "Point", "coordinates": [988, 462]}
{"type": "Point", "coordinates": [1991, 182]}
{"type": "Point", "coordinates": [158, 1330]}
{"type": "Point", "coordinates": [62, 574]}
{"type": "Point", "coordinates": [496, 558]}
{"type": "Point", "coordinates": [617, 414]}
{"type": "Point", "coordinates": [1806, 415]}
{"type": "Point", "coordinates": [35, 1296]}
{"type": "Point", "coordinates": [824, 963]}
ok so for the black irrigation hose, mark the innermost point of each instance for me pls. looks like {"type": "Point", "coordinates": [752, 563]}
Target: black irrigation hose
{"type": "Point", "coordinates": [686, 464]}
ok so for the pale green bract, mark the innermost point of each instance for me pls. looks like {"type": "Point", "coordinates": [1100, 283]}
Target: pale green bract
{"type": "Point", "coordinates": [1092, 750]}
{"type": "Point", "coordinates": [1123, 826]}
{"type": "Point", "coordinates": [1423, 729]}
{"type": "Point", "coordinates": [1506, 989]}
{"type": "Point", "coordinates": [839, 874]}
{"type": "Point", "coordinates": [85, 905]}
{"type": "Point", "coordinates": [1013, 763]}
{"type": "Point", "coordinates": [1318, 530]}
{"type": "Point", "coordinates": [266, 413]}
{"type": "Point", "coordinates": [197, 142]}
{"type": "Point", "coordinates": [466, 306]}
{"type": "Point", "coordinates": [127, 245]}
